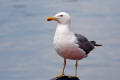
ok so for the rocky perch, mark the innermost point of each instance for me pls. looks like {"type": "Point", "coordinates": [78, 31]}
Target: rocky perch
{"type": "Point", "coordinates": [66, 78]}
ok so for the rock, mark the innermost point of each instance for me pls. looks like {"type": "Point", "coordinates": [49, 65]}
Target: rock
{"type": "Point", "coordinates": [66, 78]}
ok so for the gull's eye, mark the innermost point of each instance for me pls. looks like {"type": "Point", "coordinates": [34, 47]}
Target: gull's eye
{"type": "Point", "coordinates": [61, 15]}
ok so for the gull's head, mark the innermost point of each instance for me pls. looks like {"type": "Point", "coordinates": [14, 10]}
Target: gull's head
{"type": "Point", "coordinates": [62, 18]}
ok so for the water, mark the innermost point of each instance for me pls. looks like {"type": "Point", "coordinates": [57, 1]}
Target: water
{"type": "Point", "coordinates": [26, 49]}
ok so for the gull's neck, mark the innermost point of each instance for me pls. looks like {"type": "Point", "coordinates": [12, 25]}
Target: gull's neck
{"type": "Point", "coordinates": [62, 33]}
{"type": "Point", "coordinates": [63, 28]}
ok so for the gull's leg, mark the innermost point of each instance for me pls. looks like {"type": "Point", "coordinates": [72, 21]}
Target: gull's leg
{"type": "Point", "coordinates": [76, 65]}
{"type": "Point", "coordinates": [62, 69]}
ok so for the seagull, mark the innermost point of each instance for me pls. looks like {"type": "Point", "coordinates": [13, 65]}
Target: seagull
{"type": "Point", "coordinates": [70, 45]}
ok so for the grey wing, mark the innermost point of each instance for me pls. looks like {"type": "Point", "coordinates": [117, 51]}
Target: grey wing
{"type": "Point", "coordinates": [84, 43]}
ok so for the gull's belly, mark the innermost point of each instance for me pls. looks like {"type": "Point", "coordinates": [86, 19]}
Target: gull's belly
{"type": "Point", "coordinates": [69, 51]}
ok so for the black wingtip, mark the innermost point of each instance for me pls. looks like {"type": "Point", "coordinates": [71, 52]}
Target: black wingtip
{"type": "Point", "coordinates": [97, 45]}
{"type": "Point", "coordinates": [94, 43]}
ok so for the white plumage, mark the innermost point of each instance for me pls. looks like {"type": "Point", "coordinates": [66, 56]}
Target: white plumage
{"type": "Point", "coordinates": [64, 42]}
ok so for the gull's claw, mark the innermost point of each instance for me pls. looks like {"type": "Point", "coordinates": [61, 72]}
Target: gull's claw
{"type": "Point", "coordinates": [61, 75]}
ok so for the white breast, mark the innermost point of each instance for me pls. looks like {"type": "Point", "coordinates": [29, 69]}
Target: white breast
{"type": "Point", "coordinates": [64, 42]}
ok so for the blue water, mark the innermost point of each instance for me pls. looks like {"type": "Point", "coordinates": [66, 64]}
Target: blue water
{"type": "Point", "coordinates": [26, 49]}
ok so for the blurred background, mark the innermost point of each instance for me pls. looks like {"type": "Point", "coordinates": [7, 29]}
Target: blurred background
{"type": "Point", "coordinates": [26, 49]}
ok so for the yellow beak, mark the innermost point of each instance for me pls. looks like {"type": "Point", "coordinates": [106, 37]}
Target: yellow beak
{"type": "Point", "coordinates": [51, 18]}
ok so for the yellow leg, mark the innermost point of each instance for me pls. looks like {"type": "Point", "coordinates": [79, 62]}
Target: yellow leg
{"type": "Point", "coordinates": [76, 65]}
{"type": "Point", "coordinates": [64, 66]}
{"type": "Point", "coordinates": [62, 69]}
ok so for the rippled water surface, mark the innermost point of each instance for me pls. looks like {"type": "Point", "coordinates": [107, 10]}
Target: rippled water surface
{"type": "Point", "coordinates": [26, 49]}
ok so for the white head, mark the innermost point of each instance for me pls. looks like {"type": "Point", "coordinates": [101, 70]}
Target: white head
{"type": "Point", "coordinates": [61, 18]}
